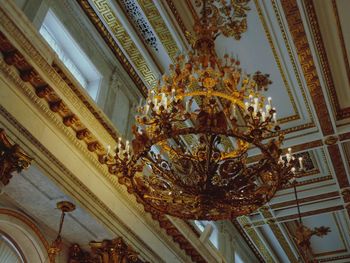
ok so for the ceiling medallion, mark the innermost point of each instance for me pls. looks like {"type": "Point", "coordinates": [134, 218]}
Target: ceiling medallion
{"type": "Point", "coordinates": [189, 155]}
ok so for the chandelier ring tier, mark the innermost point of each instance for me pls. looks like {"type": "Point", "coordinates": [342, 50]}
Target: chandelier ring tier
{"type": "Point", "coordinates": [189, 157]}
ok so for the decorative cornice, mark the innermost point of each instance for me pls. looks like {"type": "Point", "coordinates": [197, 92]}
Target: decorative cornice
{"type": "Point", "coordinates": [307, 63]}
{"type": "Point", "coordinates": [159, 26]}
{"type": "Point", "coordinates": [120, 33]}
{"type": "Point", "coordinates": [178, 19]}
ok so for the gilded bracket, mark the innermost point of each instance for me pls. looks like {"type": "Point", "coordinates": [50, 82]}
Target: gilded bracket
{"type": "Point", "coordinates": [12, 158]}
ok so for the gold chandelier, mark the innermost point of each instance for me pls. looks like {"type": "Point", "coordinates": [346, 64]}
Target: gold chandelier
{"type": "Point", "coordinates": [189, 155]}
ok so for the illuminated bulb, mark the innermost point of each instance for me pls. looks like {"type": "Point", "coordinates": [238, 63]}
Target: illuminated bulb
{"type": "Point", "coordinates": [269, 99]}
{"type": "Point", "coordinates": [274, 118]}
{"type": "Point", "coordinates": [127, 146]}
{"type": "Point", "coordinates": [146, 109]}
{"type": "Point", "coordinates": [301, 164]}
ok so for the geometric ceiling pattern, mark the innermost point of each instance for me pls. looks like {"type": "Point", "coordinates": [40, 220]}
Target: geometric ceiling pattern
{"type": "Point", "coordinates": [304, 46]}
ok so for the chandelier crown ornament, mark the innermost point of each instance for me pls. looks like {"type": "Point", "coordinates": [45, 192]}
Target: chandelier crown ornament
{"type": "Point", "coordinates": [189, 157]}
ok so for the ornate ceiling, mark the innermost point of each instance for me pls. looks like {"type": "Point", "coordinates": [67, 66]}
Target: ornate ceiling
{"type": "Point", "coordinates": [304, 46]}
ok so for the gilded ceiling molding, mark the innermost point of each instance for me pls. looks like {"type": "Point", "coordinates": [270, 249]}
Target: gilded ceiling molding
{"type": "Point", "coordinates": [311, 181]}
{"type": "Point", "coordinates": [12, 158]}
{"type": "Point", "coordinates": [295, 148]}
{"type": "Point", "coordinates": [151, 12]}
{"type": "Point", "coordinates": [43, 91]}
{"type": "Point", "coordinates": [124, 39]}
{"type": "Point", "coordinates": [325, 66]}
{"type": "Point", "coordinates": [338, 165]}
{"type": "Point", "coordinates": [282, 219]}
{"type": "Point", "coordinates": [248, 240]}
{"type": "Point", "coordinates": [106, 251]}
{"type": "Point", "coordinates": [311, 213]}
{"type": "Point", "coordinates": [243, 220]}
{"type": "Point", "coordinates": [343, 46]}
{"type": "Point", "coordinates": [334, 259]}
{"type": "Point", "coordinates": [344, 136]}
{"type": "Point", "coordinates": [178, 19]}
{"type": "Point", "coordinates": [307, 63]}
{"type": "Point", "coordinates": [341, 113]}
{"type": "Point", "coordinates": [275, 228]}
{"type": "Point", "coordinates": [313, 198]}
{"type": "Point", "coordinates": [296, 116]}
{"type": "Point", "coordinates": [108, 38]}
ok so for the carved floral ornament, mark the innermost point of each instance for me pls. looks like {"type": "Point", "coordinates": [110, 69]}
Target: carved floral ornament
{"type": "Point", "coordinates": [106, 251]}
{"type": "Point", "coordinates": [229, 16]}
{"type": "Point", "coordinates": [12, 158]}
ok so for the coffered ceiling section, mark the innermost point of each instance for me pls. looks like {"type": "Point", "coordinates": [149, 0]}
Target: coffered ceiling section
{"type": "Point", "coordinates": [329, 21]}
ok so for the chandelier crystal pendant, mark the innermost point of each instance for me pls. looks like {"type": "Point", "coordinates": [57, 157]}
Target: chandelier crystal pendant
{"type": "Point", "coordinates": [189, 157]}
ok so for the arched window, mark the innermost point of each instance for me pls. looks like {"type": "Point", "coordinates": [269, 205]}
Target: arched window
{"type": "Point", "coordinates": [20, 239]}
{"type": "Point", "coordinates": [9, 252]}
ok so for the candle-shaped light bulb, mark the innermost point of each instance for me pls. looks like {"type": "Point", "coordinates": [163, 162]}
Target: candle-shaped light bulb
{"type": "Point", "coordinates": [290, 150]}
{"type": "Point", "coordinates": [188, 106]}
{"type": "Point", "coordinates": [269, 100]}
{"type": "Point", "coordinates": [140, 103]}
{"type": "Point", "coordinates": [119, 143]}
{"type": "Point", "coordinates": [301, 164]}
{"type": "Point", "coordinates": [172, 93]}
{"type": "Point", "coordinates": [274, 118]}
{"type": "Point", "coordinates": [246, 104]}
{"type": "Point", "coordinates": [263, 116]}
{"type": "Point", "coordinates": [268, 108]}
{"type": "Point", "coordinates": [108, 149]}
{"type": "Point", "coordinates": [146, 109]}
{"type": "Point", "coordinates": [289, 157]}
{"type": "Point", "coordinates": [233, 111]}
{"type": "Point", "coordinates": [293, 170]}
{"type": "Point", "coordinates": [256, 101]}
{"type": "Point", "coordinates": [251, 98]}
{"type": "Point", "coordinates": [281, 160]}
{"type": "Point", "coordinates": [127, 146]}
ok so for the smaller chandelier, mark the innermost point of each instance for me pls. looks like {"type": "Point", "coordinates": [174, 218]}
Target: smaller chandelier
{"type": "Point", "coordinates": [189, 157]}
